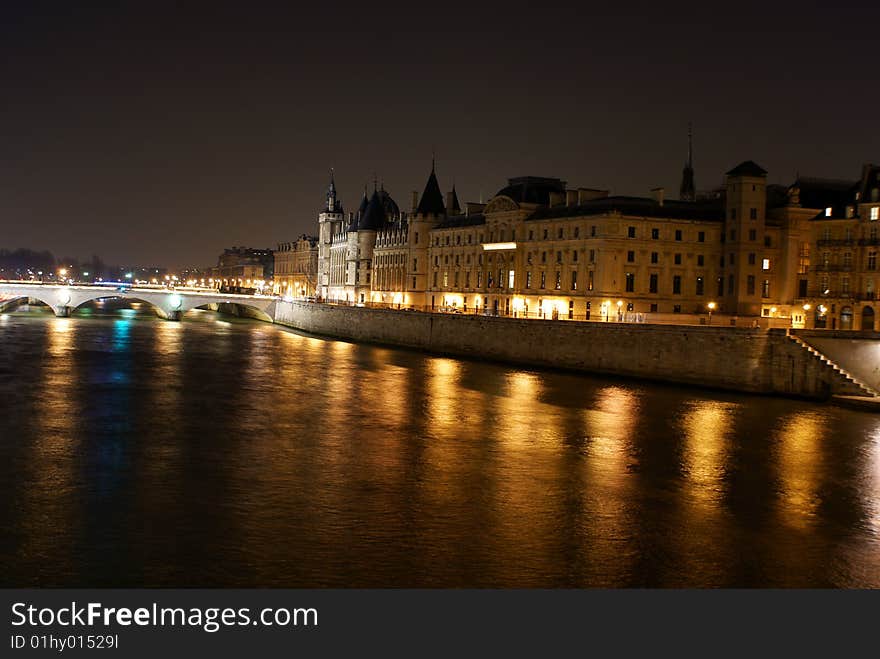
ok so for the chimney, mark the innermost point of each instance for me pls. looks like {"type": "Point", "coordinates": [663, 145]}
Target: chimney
{"type": "Point", "coordinates": [658, 194]}
{"type": "Point", "coordinates": [571, 197]}
{"type": "Point", "coordinates": [415, 200]}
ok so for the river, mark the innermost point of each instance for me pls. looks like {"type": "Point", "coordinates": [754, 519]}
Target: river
{"type": "Point", "coordinates": [226, 452]}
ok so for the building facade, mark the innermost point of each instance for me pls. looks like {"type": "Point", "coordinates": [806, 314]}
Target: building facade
{"type": "Point", "coordinates": [747, 250]}
{"type": "Point", "coordinates": [296, 267]}
{"type": "Point", "coordinates": [244, 269]}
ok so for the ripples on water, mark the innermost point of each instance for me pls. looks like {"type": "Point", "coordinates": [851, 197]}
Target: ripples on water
{"type": "Point", "coordinates": [222, 452]}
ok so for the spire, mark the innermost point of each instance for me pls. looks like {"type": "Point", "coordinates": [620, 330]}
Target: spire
{"type": "Point", "coordinates": [687, 192]}
{"type": "Point", "coordinates": [454, 208]}
{"type": "Point", "coordinates": [333, 205]}
{"type": "Point", "coordinates": [432, 199]}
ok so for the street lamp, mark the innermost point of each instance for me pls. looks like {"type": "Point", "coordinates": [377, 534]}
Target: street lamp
{"type": "Point", "coordinates": [711, 307]}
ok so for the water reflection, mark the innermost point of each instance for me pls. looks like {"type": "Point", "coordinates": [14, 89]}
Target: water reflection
{"type": "Point", "coordinates": [134, 448]}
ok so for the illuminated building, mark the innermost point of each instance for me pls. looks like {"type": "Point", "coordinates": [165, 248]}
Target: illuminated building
{"type": "Point", "coordinates": [541, 249]}
{"type": "Point", "coordinates": [296, 267]}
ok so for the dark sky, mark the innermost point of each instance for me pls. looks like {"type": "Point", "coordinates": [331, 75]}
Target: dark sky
{"type": "Point", "coordinates": [159, 133]}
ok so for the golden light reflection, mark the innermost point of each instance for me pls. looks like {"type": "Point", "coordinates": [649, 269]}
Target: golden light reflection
{"type": "Point", "coordinates": [53, 460]}
{"type": "Point", "coordinates": [800, 438]}
{"type": "Point", "coordinates": [707, 427]}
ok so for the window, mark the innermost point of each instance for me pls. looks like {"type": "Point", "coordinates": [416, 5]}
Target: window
{"type": "Point", "coordinates": [765, 288]}
{"type": "Point", "coordinates": [875, 213]}
{"type": "Point", "coordinates": [414, 283]}
{"type": "Point", "coordinates": [574, 256]}
{"type": "Point", "coordinates": [767, 241]}
{"type": "Point", "coordinates": [577, 232]}
{"type": "Point", "coordinates": [753, 213]}
{"type": "Point", "coordinates": [545, 234]}
{"type": "Point", "coordinates": [467, 279]}
{"type": "Point", "coordinates": [528, 278]}
{"type": "Point", "coordinates": [630, 256]}
{"type": "Point", "coordinates": [593, 230]}
{"type": "Point", "coordinates": [435, 280]}
{"type": "Point", "coordinates": [700, 260]}
{"type": "Point", "coordinates": [447, 240]}
{"type": "Point", "coordinates": [765, 264]}
{"type": "Point", "coordinates": [847, 259]}
{"type": "Point", "coordinates": [592, 256]}
{"type": "Point", "coordinates": [654, 307]}
{"type": "Point", "coordinates": [531, 235]}
{"type": "Point", "coordinates": [655, 234]}
{"type": "Point", "coordinates": [678, 234]}
{"type": "Point", "coordinates": [753, 235]}
{"type": "Point", "coordinates": [828, 212]}
{"type": "Point", "coordinates": [730, 284]}
{"type": "Point", "coordinates": [543, 257]}
{"type": "Point", "coordinates": [559, 257]}
{"type": "Point", "coordinates": [676, 308]}
{"type": "Point", "coordinates": [630, 282]}
{"type": "Point", "coordinates": [558, 280]}
{"type": "Point", "coordinates": [652, 283]}
{"type": "Point", "coordinates": [654, 257]}
{"type": "Point", "coordinates": [678, 259]}
{"type": "Point", "coordinates": [676, 285]}
{"type": "Point", "coordinates": [559, 232]}
{"type": "Point", "coordinates": [455, 279]}
{"type": "Point", "coordinates": [590, 281]}
{"type": "Point", "coordinates": [720, 282]}
{"type": "Point", "coordinates": [699, 285]}
{"type": "Point", "coordinates": [511, 278]}
{"type": "Point", "coordinates": [631, 232]}
{"type": "Point", "coordinates": [543, 279]}
{"type": "Point", "coordinates": [872, 260]}
{"type": "Point", "coordinates": [701, 237]}
{"type": "Point", "coordinates": [417, 237]}
{"type": "Point", "coordinates": [445, 278]}
{"type": "Point", "coordinates": [751, 258]}
{"type": "Point", "coordinates": [750, 285]}
{"type": "Point", "coordinates": [574, 280]}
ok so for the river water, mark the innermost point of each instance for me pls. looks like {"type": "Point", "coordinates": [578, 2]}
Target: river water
{"type": "Point", "coordinates": [226, 452]}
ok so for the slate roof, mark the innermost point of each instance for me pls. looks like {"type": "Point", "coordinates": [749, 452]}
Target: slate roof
{"type": "Point", "coordinates": [431, 202]}
{"type": "Point", "coordinates": [748, 168]}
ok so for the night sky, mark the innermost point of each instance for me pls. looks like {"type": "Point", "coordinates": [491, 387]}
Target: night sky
{"type": "Point", "coordinates": [155, 135]}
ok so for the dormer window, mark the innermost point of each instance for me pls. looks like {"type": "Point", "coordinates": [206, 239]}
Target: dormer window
{"type": "Point", "coordinates": [828, 212]}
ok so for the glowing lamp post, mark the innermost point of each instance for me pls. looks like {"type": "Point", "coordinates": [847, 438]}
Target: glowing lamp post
{"type": "Point", "coordinates": [711, 307]}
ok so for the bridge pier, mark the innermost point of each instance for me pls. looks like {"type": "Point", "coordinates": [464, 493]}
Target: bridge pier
{"type": "Point", "coordinates": [173, 315]}
{"type": "Point", "coordinates": [62, 312]}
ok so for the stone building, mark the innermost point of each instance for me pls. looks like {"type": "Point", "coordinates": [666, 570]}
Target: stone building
{"type": "Point", "coordinates": [296, 267]}
{"type": "Point", "coordinates": [541, 249]}
{"type": "Point", "coordinates": [843, 276]}
{"type": "Point", "coordinates": [243, 268]}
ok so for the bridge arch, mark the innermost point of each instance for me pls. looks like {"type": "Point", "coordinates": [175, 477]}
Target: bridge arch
{"type": "Point", "coordinates": [18, 300]}
{"type": "Point", "coordinates": [234, 308]}
{"type": "Point", "coordinates": [158, 310]}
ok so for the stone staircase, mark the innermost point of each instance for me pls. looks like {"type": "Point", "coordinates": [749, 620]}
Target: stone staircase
{"type": "Point", "coordinates": [850, 385]}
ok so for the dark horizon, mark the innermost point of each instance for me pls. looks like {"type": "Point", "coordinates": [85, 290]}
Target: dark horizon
{"type": "Point", "coordinates": [150, 136]}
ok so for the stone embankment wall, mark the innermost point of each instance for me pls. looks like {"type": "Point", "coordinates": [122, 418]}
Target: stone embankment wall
{"type": "Point", "coordinates": [741, 359]}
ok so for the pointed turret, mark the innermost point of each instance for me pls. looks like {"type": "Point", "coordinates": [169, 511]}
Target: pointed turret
{"type": "Point", "coordinates": [333, 203]}
{"type": "Point", "coordinates": [452, 205]}
{"type": "Point", "coordinates": [431, 202]}
{"type": "Point", "coordinates": [688, 191]}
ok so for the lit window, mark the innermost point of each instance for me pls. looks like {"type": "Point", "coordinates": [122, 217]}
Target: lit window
{"type": "Point", "coordinates": [875, 213]}
{"type": "Point", "coordinates": [828, 212]}
{"type": "Point", "coordinates": [765, 264]}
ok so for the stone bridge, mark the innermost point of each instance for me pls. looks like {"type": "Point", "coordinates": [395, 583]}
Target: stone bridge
{"type": "Point", "coordinates": [170, 304]}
